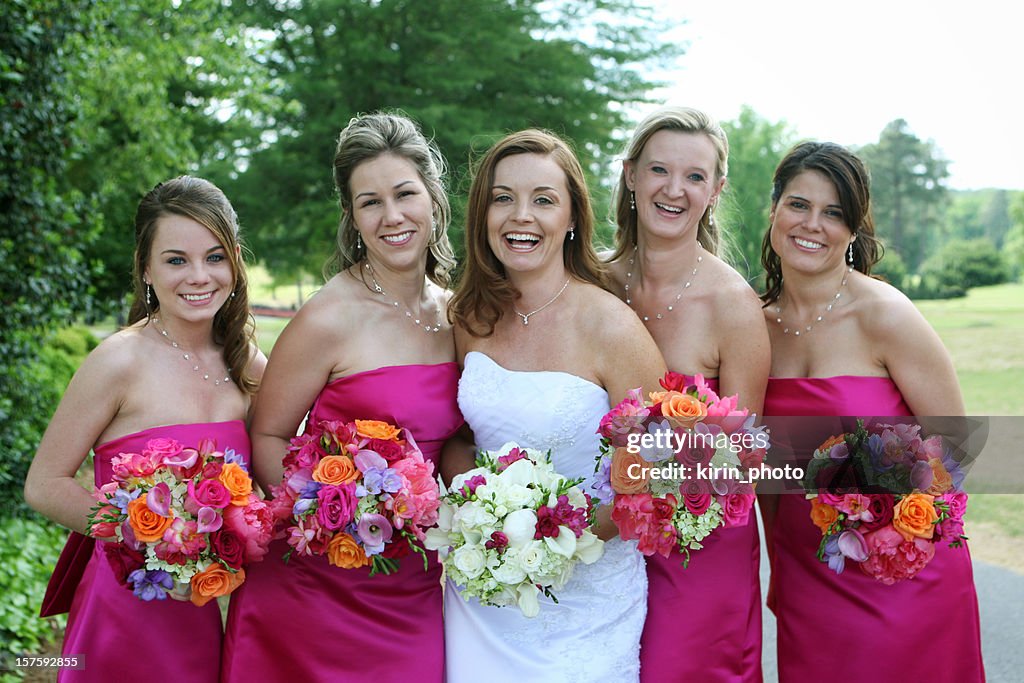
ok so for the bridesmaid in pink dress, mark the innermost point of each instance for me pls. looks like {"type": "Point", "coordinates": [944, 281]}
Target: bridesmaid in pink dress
{"type": "Point", "coordinates": [373, 343]}
{"type": "Point", "coordinates": [190, 298]}
{"type": "Point", "coordinates": [845, 344]}
{"type": "Point", "coordinates": [704, 621]}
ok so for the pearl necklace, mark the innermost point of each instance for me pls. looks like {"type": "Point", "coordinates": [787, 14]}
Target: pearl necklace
{"type": "Point", "coordinates": [671, 307]}
{"type": "Point", "coordinates": [408, 314]}
{"type": "Point", "coordinates": [828, 308]}
{"type": "Point", "coordinates": [526, 316]}
{"type": "Point", "coordinates": [192, 358]}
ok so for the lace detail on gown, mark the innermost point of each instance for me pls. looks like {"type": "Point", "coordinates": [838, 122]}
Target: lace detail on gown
{"type": "Point", "coordinates": [593, 633]}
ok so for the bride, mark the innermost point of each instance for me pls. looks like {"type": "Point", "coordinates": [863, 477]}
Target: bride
{"type": "Point", "coordinates": [546, 351]}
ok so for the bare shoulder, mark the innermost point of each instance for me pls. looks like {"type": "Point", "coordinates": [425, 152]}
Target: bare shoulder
{"type": "Point", "coordinates": [884, 311]}
{"type": "Point", "coordinates": [606, 319]}
{"type": "Point", "coordinates": [734, 301]}
{"type": "Point", "coordinates": [326, 314]}
{"type": "Point", "coordinates": [119, 355]}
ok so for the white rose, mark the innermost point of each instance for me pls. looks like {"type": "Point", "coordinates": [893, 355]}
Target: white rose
{"type": "Point", "coordinates": [469, 560]}
{"type": "Point", "coordinates": [531, 558]}
{"type": "Point", "coordinates": [528, 602]}
{"type": "Point", "coordinates": [520, 527]}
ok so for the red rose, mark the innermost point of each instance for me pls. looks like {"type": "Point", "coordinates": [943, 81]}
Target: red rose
{"type": "Point", "coordinates": [229, 547]}
{"type": "Point", "coordinates": [123, 560]}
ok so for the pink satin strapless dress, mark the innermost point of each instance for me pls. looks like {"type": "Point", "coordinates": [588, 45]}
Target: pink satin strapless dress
{"type": "Point", "coordinates": [704, 622]}
{"type": "Point", "coordinates": [849, 626]}
{"type": "Point", "coordinates": [309, 621]}
{"type": "Point", "coordinates": [122, 637]}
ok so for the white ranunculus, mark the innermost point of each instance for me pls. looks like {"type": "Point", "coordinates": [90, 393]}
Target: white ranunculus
{"type": "Point", "coordinates": [469, 559]}
{"type": "Point", "coordinates": [509, 572]}
{"type": "Point", "coordinates": [564, 544]}
{"type": "Point", "coordinates": [528, 600]}
{"type": "Point", "coordinates": [589, 548]}
{"type": "Point", "coordinates": [520, 527]}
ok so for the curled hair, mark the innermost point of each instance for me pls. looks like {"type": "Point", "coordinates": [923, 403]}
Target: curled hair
{"type": "Point", "coordinates": [852, 181]}
{"type": "Point", "coordinates": [484, 290]}
{"type": "Point", "coordinates": [683, 120]}
{"type": "Point", "coordinates": [203, 202]}
{"type": "Point", "coordinates": [365, 138]}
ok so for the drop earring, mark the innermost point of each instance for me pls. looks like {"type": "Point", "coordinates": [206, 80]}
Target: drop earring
{"type": "Point", "coordinates": [572, 233]}
{"type": "Point", "coordinates": [149, 302]}
{"type": "Point", "coordinates": [359, 240]}
{"type": "Point", "coordinates": [849, 253]}
{"type": "Point", "coordinates": [632, 201]}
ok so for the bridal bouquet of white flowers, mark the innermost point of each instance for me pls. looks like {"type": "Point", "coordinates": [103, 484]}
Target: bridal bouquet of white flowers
{"type": "Point", "coordinates": [513, 528]}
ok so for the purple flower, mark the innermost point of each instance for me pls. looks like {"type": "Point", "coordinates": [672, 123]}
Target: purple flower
{"type": "Point", "coordinates": [151, 584]}
{"type": "Point", "coordinates": [374, 531]}
{"type": "Point", "coordinates": [311, 489]}
{"type": "Point", "coordinates": [121, 498]}
{"type": "Point", "coordinates": [852, 545]}
{"type": "Point", "coordinates": [470, 485]}
{"type": "Point", "coordinates": [921, 475]}
{"type": "Point", "coordinates": [377, 476]}
{"type": "Point", "coordinates": [836, 559]}
{"type": "Point", "coordinates": [602, 486]}
{"type": "Point", "coordinates": [302, 506]}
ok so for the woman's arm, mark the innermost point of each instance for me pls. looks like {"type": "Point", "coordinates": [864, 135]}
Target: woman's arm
{"type": "Point", "coordinates": [90, 403]}
{"type": "Point", "coordinates": [745, 355]}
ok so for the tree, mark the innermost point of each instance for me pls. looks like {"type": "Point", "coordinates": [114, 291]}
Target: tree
{"type": "Point", "coordinates": [467, 70]}
{"type": "Point", "coordinates": [43, 276]}
{"type": "Point", "coordinates": [1014, 247]}
{"type": "Point", "coordinates": [756, 146]}
{"type": "Point", "coordinates": [907, 190]}
{"type": "Point", "coordinates": [165, 88]}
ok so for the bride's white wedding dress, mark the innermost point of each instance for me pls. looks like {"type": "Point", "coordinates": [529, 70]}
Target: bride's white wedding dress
{"type": "Point", "coordinates": [593, 633]}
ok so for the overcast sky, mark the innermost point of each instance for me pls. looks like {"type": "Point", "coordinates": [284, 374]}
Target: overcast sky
{"type": "Point", "coordinates": [841, 71]}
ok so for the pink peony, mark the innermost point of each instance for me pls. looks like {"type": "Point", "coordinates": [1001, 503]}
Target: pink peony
{"type": "Point", "coordinates": [633, 514]}
{"type": "Point", "coordinates": [254, 524]}
{"type": "Point", "coordinates": [892, 558]}
{"type": "Point", "coordinates": [128, 465]}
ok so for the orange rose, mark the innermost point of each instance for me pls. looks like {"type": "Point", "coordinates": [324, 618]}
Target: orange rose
{"type": "Point", "coordinates": [375, 429]}
{"type": "Point", "coordinates": [915, 516]}
{"type": "Point", "coordinates": [147, 525]}
{"type": "Point", "coordinates": [942, 481]}
{"type": "Point", "coordinates": [628, 472]}
{"type": "Point", "coordinates": [336, 469]}
{"type": "Point", "coordinates": [344, 552]}
{"type": "Point", "coordinates": [213, 582]}
{"type": "Point", "coordinates": [681, 409]}
{"type": "Point", "coordinates": [823, 515]}
{"type": "Point", "coordinates": [237, 482]}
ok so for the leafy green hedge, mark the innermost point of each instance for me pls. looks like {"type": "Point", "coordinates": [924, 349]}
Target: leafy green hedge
{"type": "Point", "coordinates": [28, 551]}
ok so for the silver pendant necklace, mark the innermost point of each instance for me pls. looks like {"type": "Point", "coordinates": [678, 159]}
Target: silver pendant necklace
{"type": "Point", "coordinates": [671, 307]}
{"type": "Point", "coordinates": [192, 358]}
{"type": "Point", "coordinates": [408, 314]}
{"type": "Point", "coordinates": [526, 316]}
{"type": "Point", "coordinates": [820, 318]}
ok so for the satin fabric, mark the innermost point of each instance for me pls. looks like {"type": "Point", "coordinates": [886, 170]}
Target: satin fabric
{"type": "Point", "coordinates": [849, 626]}
{"type": "Point", "coordinates": [704, 621]}
{"type": "Point", "coordinates": [309, 621]}
{"type": "Point", "coordinates": [122, 637]}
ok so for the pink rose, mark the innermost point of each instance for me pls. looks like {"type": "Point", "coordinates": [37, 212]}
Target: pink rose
{"type": "Point", "coordinates": [160, 449]}
{"type": "Point", "coordinates": [697, 503]}
{"type": "Point", "coordinates": [208, 493]}
{"type": "Point", "coordinates": [304, 453]}
{"type": "Point", "coordinates": [336, 505]}
{"type": "Point", "coordinates": [736, 508]}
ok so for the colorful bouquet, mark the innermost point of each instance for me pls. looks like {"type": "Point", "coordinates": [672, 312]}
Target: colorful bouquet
{"type": "Point", "coordinates": [883, 497]}
{"type": "Point", "coordinates": [513, 528]}
{"type": "Point", "coordinates": [186, 521]}
{"type": "Point", "coordinates": [357, 493]}
{"type": "Point", "coordinates": [678, 466]}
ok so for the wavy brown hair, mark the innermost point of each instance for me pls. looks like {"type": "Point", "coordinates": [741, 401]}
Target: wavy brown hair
{"type": "Point", "coordinates": [852, 181]}
{"type": "Point", "coordinates": [365, 138]}
{"type": "Point", "coordinates": [203, 202]}
{"type": "Point", "coordinates": [484, 291]}
{"type": "Point", "coordinates": [683, 120]}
